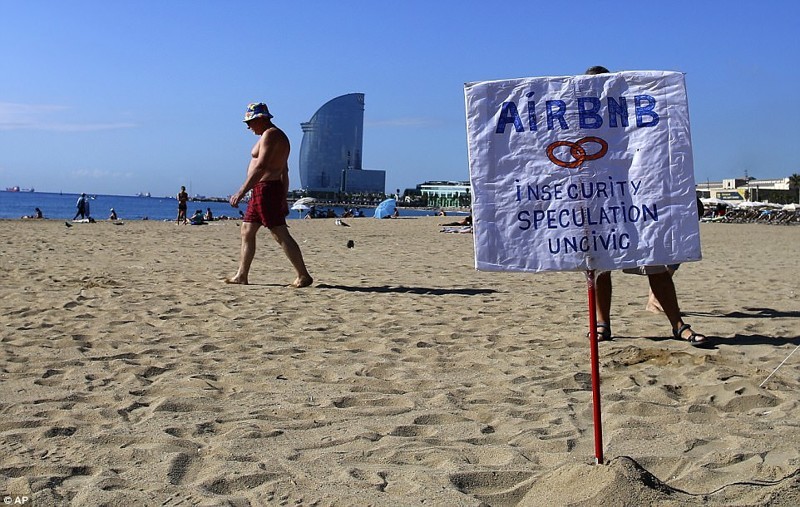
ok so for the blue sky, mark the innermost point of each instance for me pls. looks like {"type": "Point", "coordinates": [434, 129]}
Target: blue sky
{"type": "Point", "coordinates": [120, 97]}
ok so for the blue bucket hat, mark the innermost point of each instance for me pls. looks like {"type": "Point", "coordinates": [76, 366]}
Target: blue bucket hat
{"type": "Point", "coordinates": [256, 110]}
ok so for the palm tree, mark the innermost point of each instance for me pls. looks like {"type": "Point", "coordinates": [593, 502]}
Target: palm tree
{"type": "Point", "coordinates": [794, 182]}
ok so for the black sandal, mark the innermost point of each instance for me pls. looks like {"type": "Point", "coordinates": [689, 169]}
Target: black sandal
{"type": "Point", "coordinates": [603, 332]}
{"type": "Point", "coordinates": [694, 339]}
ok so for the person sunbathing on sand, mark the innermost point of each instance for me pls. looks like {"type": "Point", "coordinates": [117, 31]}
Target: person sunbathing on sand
{"type": "Point", "coordinates": [37, 214]}
{"type": "Point", "coordinates": [467, 220]}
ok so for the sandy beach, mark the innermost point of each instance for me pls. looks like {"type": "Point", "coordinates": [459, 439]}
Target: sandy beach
{"type": "Point", "coordinates": [131, 375]}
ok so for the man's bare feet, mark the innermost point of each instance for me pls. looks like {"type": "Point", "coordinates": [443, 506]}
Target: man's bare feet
{"type": "Point", "coordinates": [302, 281]}
{"type": "Point", "coordinates": [235, 280]}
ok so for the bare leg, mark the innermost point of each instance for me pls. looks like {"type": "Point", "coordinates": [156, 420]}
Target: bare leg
{"type": "Point", "coordinates": [652, 304]}
{"type": "Point", "coordinates": [664, 290]}
{"type": "Point", "coordinates": [292, 251]}
{"type": "Point", "coordinates": [652, 301]}
{"type": "Point", "coordinates": [248, 231]}
{"type": "Point", "coordinates": [603, 297]}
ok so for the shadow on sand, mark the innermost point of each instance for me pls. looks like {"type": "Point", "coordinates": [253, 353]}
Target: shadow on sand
{"type": "Point", "coordinates": [750, 313]}
{"type": "Point", "coordinates": [410, 290]}
{"type": "Point", "coordinates": [733, 341]}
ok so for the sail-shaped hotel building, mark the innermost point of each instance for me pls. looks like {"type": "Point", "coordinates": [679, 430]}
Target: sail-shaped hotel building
{"type": "Point", "coordinates": [330, 154]}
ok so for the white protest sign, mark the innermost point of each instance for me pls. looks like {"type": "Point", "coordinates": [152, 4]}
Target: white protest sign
{"type": "Point", "coordinates": [581, 172]}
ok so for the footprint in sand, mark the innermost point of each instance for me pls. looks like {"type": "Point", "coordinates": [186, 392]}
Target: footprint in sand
{"type": "Point", "coordinates": [439, 419]}
{"type": "Point", "coordinates": [178, 468]}
{"type": "Point", "coordinates": [493, 487]}
{"type": "Point", "coordinates": [412, 431]}
{"type": "Point", "coordinates": [182, 499]}
{"type": "Point", "coordinates": [377, 406]}
{"type": "Point", "coordinates": [226, 486]}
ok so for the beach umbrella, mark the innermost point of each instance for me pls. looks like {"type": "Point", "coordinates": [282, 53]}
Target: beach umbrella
{"type": "Point", "coordinates": [385, 208]}
{"type": "Point", "coordinates": [300, 208]}
{"type": "Point", "coordinates": [713, 200]}
{"type": "Point", "coordinates": [750, 204]}
{"type": "Point", "coordinates": [305, 200]}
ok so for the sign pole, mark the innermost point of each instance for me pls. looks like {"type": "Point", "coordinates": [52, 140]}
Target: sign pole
{"type": "Point", "coordinates": [598, 424]}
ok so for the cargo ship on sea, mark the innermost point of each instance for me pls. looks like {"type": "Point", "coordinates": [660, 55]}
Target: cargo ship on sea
{"type": "Point", "coordinates": [17, 189]}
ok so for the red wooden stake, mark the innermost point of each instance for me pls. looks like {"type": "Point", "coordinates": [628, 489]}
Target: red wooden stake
{"type": "Point", "coordinates": [598, 424]}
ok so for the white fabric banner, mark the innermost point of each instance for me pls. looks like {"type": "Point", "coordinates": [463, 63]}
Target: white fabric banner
{"type": "Point", "coordinates": [581, 172]}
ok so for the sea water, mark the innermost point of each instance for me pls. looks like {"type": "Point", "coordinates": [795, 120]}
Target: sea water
{"type": "Point", "coordinates": [63, 207]}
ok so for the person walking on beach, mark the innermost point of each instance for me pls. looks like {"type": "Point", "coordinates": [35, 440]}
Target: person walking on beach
{"type": "Point", "coordinates": [661, 285]}
{"type": "Point", "coordinates": [183, 198]}
{"type": "Point", "coordinates": [268, 178]}
{"type": "Point", "coordinates": [87, 209]}
{"type": "Point", "coordinates": [81, 205]}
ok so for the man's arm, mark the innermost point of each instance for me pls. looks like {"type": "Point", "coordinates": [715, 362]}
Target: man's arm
{"type": "Point", "coordinates": [285, 180]}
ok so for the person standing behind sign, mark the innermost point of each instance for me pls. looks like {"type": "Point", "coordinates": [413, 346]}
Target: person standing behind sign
{"type": "Point", "coordinates": [661, 285]}
{"type": "Point", "coordinates": [652, 302]}
{"type": "Point", "coordinates": [268, 178]}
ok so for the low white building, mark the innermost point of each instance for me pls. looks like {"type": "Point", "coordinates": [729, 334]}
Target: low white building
{"type": "Point", "coordinates": [446, 194]}
{"type": "Point", "coordinates": [749, 189]}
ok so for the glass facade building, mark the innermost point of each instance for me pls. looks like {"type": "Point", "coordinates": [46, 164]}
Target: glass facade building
{"type": "Point", "coordinates": [330, 154]}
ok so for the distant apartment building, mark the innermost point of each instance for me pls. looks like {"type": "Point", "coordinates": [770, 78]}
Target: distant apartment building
{"type": "Point", "coordinates": [331, 151]}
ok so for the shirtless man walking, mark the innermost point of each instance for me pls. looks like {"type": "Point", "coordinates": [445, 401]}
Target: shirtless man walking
{"type": "Point", "coordinates": [268, 178]}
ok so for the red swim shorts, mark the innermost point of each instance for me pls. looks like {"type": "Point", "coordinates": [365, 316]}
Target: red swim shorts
{"type": "Point", "coordinates": [267, 205]}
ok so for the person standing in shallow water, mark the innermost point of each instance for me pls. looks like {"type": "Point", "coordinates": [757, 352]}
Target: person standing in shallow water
{"type": "Point", "coordinates": [268, 178]}
{"type": "Point", "coordinates": [183, 198]}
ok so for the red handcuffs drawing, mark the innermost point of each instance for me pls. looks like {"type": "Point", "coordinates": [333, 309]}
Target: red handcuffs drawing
{"type": "Point", "coordinates": [577, 151]}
